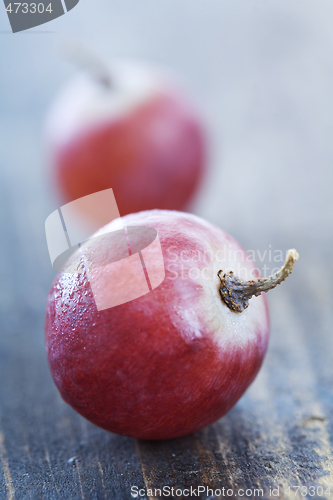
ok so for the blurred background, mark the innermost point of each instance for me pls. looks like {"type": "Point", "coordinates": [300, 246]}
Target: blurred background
{"type": "Point", "coordinates": [262, 73]}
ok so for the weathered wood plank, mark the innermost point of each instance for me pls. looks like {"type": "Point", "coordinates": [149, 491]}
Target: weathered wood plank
{"type": "Point", "coordinates": [280, 434]}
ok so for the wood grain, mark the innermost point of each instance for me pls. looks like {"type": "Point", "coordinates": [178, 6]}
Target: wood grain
{"type": "Point", "coordinates": [279, 435]}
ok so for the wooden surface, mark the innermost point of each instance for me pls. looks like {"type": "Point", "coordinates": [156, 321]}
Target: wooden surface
{"type": "Point", "coordinates": [280, 434]}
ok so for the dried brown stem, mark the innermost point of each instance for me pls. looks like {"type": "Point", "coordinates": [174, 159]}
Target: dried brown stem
{"type": "Point", "coordinates": [236, 292]}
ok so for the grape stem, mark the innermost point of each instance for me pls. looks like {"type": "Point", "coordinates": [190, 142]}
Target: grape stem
{"type": "Point", "coordinates": [236, 293]}
{"type": "Point", "coordinates": [89, 62]}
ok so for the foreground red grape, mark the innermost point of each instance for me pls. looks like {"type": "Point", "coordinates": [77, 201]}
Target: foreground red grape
{"type": "Point", "coordinates": [133, 130]}
{"type": "Point", "coordinates": [176, 359]}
